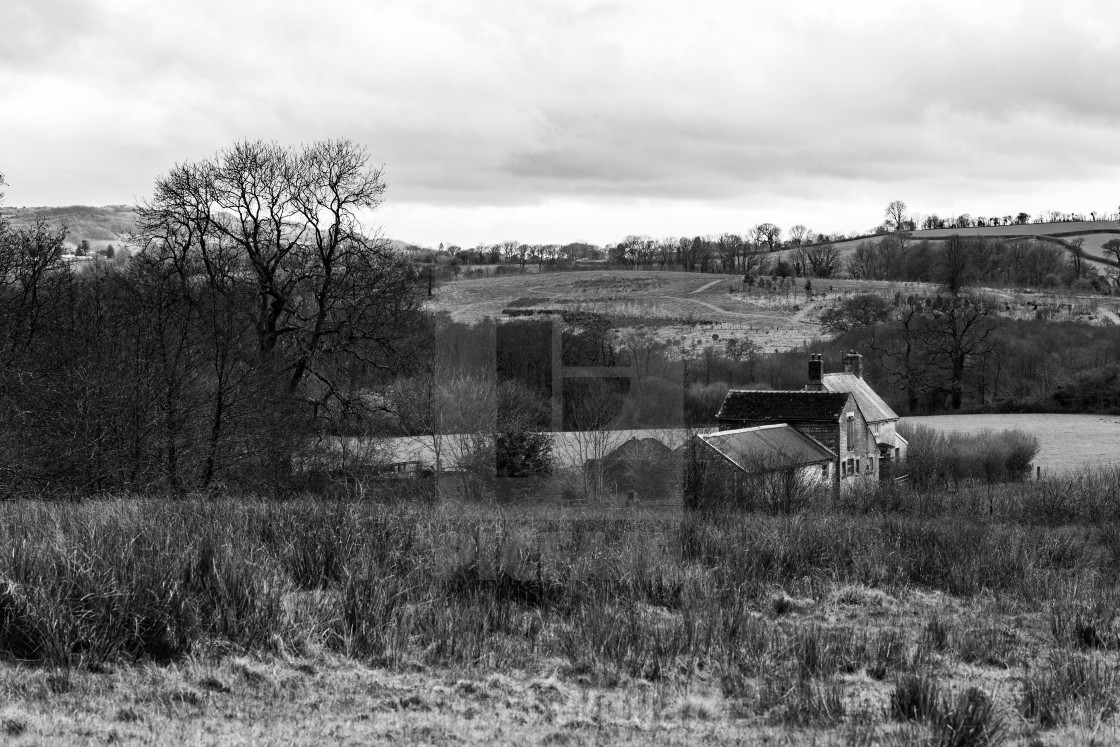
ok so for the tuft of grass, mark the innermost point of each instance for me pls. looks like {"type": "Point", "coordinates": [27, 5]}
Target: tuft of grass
{"type": "Point", "coordinates": [989, 645]}
{"type": "Point", "coordinates": [793, 701]}
{"type": "Point", "coordinates": [915, 697]}
{"type": "Point", "coordinates": [699, 707]}
{"type": "Point", "coordinates": [13, 726]}
{"type": "Point", "coordinates": [935, 634]}
{"type": "Point", "coordinates": [1073, 686]}
{"type": "Point", "coordinates": [1085, 626]}
{"type": "Point", "coordinates": [971, 720]}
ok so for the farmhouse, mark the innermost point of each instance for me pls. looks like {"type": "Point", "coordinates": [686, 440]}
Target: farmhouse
{"type": "Point", "coordinates": [772, 466]}
{"type": "Point", "coordinates": [881, 419]}
{"type": "Point", "coordinates": [835, 420]}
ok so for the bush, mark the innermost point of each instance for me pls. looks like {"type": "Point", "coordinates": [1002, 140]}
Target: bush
{"type": "Point", "coordinates": [937, 458]}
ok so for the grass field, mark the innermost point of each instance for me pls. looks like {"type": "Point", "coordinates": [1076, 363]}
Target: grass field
{"type": "Point", "coordinates": [889, 617]}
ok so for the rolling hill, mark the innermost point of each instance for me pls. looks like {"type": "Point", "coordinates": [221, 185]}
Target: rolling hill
{"type": "Point", "coordinates": [1095, 234]}
{"type": "Point", "coordinates": [100, 226]}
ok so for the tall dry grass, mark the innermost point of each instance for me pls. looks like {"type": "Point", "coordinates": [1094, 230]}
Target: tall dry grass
{"type": "Point", "coordinates": [648, 594]}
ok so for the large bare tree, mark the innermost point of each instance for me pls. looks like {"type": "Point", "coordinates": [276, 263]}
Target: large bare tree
{"type": "Point", "coordinates": [896, 215]}
{"type": "Point", "coordinates": [955, 335]}
{"type": "Point", "coordinates": [330, 299]}
{"type": "Point", "coordinates": [823, 259]}
{"type": "Point", "coordinates": [767, 233]}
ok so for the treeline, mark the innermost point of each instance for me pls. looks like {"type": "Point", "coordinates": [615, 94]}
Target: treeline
{"type": "Point", "coordinates": [927, 354]}
{"type": "Point", "coordinates": [257, 314]}
{"type": "Point", "coordinates": [923, 354]}
{"type": "Point", "coordinates": [967, 260]}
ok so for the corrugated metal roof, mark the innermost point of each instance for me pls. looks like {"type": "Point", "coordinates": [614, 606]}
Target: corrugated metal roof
{"type": "Point", "coordinates": [874, 409]}
{"type": "Point", "coordinates": [782, 406]}
{"type": "Point", "coordinates": [768, 447]}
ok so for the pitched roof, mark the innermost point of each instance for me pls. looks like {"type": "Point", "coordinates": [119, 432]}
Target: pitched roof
{"type": "Point", "coordinates": [768, 447]}
{"type": "Point", "coordinates": [874, 409]}
{"type": "Point", "coordinates": [782, 406]}
{"type": "Point", "coordinates": [639, 448]}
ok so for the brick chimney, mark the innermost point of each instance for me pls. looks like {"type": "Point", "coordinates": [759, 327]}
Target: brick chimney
{"type": "Point", "coordinates": [853, 363]}
{"type": "Point", "coordinates": [816, 371]}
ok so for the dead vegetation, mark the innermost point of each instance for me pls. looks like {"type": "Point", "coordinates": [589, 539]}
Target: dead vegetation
{"type": "Point", "coordinates": [970, 617]}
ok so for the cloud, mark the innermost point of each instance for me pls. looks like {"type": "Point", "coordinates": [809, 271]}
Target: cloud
{"type": "Point", "coordinates": [754, 107]}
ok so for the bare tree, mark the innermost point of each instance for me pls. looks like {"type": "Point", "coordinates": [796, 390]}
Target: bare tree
{"type": "Point", "coordinates": [956, 265]}
{"type": "Point", "coordinates": [823, 260]}
{"type": "Point", "coordinates": [857, 312]}
{"type": "Point", "coordinates": [329, 295]}
{"type": "Point", "coordinates": [1077, 246]}
{"type": "Point", "coordinates": [730, 246]}
{"type": "Point", "coordinates": [956, 335]}
{"type": "Point", "coordinates": [896, 215]}
{"type": "Point", "coordinates": [1111, 249]}
{"type": "Point", "coordinates": [800, 234]}
{"type": "Point", "coordinates": [862, 262]}
{"type": "Point", "coordinates": [768, 233]}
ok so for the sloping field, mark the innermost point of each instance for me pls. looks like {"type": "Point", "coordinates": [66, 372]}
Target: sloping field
{"type": "Point", "coordinates": [1095, 234]}
{"type": "Point", "coordinates": [688, 309]}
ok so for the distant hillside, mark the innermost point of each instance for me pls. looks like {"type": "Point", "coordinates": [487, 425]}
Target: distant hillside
{"type": "Point", "coordinates": [101, 226]}
{"type": "Point", "coordinates": [1095, 234]}
{"type": "Point", "coordinates": [98, 225]}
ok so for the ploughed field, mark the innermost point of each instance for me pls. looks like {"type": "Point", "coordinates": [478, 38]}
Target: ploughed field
{"type": "Point", "coordinates": [890, 617]}
{"type": "Point", "coordinates": [1069, 443]}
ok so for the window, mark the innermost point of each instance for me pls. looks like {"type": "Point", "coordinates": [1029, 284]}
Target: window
{"type": "Point", "coordinates": [851, 431]}
{"type": "Point", "coordinates": [857, 466]}
{"type": "Point", "coordinates": [824, 470]}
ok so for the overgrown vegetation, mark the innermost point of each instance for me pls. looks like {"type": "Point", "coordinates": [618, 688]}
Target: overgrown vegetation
{"type": "Point", "coordinates": [615, 597]}
{"type": "Point", "coordinates": [938, 458]}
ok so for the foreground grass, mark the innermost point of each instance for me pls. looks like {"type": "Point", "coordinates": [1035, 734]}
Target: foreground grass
{"type": "Point", "coordinates": [966, 618]}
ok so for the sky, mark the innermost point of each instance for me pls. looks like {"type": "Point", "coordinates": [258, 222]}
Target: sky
{"type": "Point", "coordinates": [550, 121]}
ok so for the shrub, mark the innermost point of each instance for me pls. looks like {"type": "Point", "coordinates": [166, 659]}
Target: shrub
{"type": "Point", "coordinates": [937, 458]}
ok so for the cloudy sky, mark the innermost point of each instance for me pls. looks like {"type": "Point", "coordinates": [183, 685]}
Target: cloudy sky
{"type": "Point", "coordinates": [562, 120]}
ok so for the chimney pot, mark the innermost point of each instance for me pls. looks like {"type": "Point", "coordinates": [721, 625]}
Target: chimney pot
{"type": "Point", "coordinates": [853, 363]}
{"type": "Point", "coordinates": [816, 370]}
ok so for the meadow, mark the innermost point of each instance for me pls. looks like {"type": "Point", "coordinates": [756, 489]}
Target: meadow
{"type": "Point", "coordinates": [982, 615]}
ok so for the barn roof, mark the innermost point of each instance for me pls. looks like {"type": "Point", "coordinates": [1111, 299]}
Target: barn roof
{"type": "Point", "coordinates": [874, 409]}
{"type": "Point", "coordinates": [782, 406]}
{"type": "Point", "coordinates": [639, 448]}
{"type": "Point", "coordinates": [768, 447]}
